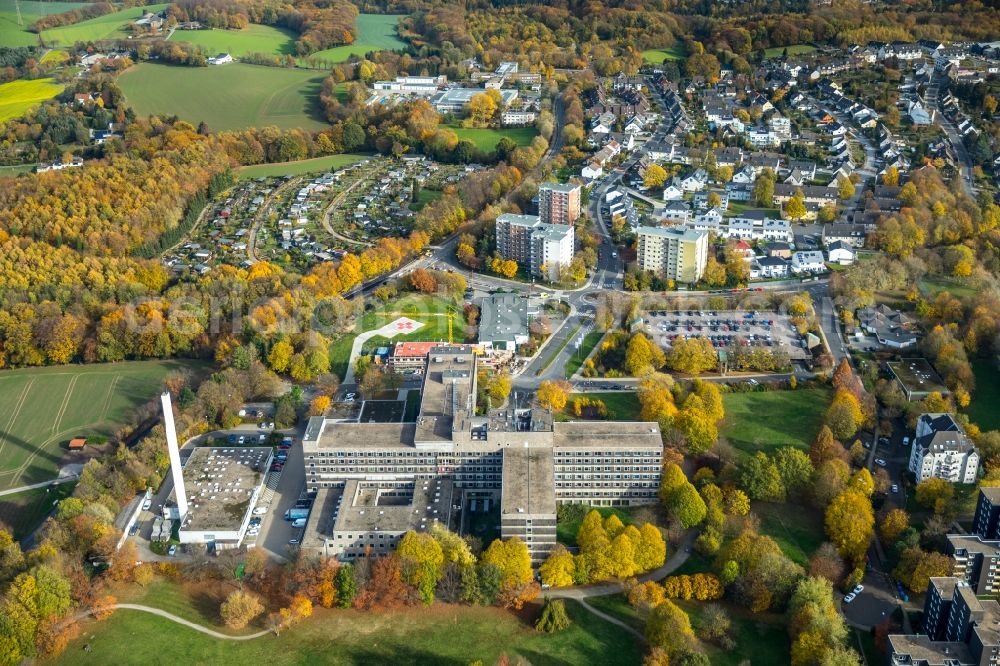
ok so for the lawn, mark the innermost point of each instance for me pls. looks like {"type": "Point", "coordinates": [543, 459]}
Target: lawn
{"type": "Point", "coordinates": [657, 56]}
{"type": "Point", "coordinates": [226, 96]}
{"type": "Point", "coordinates": [17, 97]}
{"type": "Point", "coordinates": [435, 313]}
{"type": "Point", "coordinates": [425, 197]}
{"type": "Point", "coordinates": [793, 50]}
{"type": "Point", "coordinates": [761, 639]}
{"type": "Point", "coordinates": [108, 26]}
{"type": "Point", "coordinates": [616, 605]}
{"type": "Point", "coordinates": [766, 420]}
{"type": "Point", "coordinates": [445, 635]}
{"type": "Point", "coordinates": [589, 342]}
{"type": "Point", "coordinates": [316, 164]}
{"type": "Point", "coordinates": [798, 530]}
{"type": "Point", "coordinates": [983, 409]}
{"type": "Point", "coordinates": [23, 512]}
{"type": "Point", "coordinates": [12, 34]}
{"type": "Point", "coordinates": [16, 169]}
{"type": "Point", "coordinates": [622, 405]}
{"type": "Point", "coordinates": [932, 285]}
{"type": "Point", "coordinates": [486, 138]}
{"type": "Point", "coordinates": [376, 32]}
{"type": "Point", "coordinates": [255, 38]}
{"type": "Point", "coordinates": [42, 408]}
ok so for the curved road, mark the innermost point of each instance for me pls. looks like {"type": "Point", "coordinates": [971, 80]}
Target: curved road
{"type": "Point", "coordinates": [179, 620]}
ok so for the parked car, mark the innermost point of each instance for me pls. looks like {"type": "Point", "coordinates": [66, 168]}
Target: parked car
{"type": "Point", "coordinates": [172, 550]}
{"type": "Point", "coordinates": [895, 488]}
{"type": "Point", "coordinates": [849, 598]}
{"type": "Point", "coordinates": [260, 511]}
{"type": "Point", "coordinates": [293, 542]}
{"type": "Point", "coordinates": [350, 397]}
{"type": "Point", "coordinates": [858, 590]}
{"type": "Point", "coordinates": [880, 462]}
{"type": "Point", "coordinates": [146, 504]}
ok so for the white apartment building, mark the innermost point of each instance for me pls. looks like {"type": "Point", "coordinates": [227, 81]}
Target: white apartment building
{"type": "Point", "coordinates": [942, 450]}
{"type": "Point", "coordinates": [543, 248]}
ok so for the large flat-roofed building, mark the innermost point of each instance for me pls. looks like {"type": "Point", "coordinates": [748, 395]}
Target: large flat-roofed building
{"type": "Point", "coordinates": [558, 203]}
{"type": "Point", "coordinates": [917, 378]}
{"type": "Point", "coordinates": [514, 236]}
{"type": "Point", "coordinates": [516, 456]}
{"type": "Point", "coordinates": [503, 322]}
{"type": "Point", "coordinates": [454, 100]}
{"type": "Point", "coordinates": [678, 254]}
{"type": "Point", "coordinates": [222, 486]}
{"type": "Point", "coordinates": [422, 85]}
{"type": "Point", "coordinates": [528, 500]}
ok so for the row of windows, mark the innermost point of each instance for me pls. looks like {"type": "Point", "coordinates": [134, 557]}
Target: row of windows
{"type": "Point", "coordinates": [621, 493]}
{"type": "Point", "coordinates": [606, 468]}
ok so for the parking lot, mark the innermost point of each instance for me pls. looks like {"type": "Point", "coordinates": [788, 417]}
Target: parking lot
{"type": "Point", "coordinates": [728, 328]}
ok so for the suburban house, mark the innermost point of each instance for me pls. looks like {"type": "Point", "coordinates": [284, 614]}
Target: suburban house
{"type": "Point", "coordinates": [839, 252]}
{"type": "Point", "coordinates": [808, 262]}
{"type": "Point", "coordinates": [890, 327]}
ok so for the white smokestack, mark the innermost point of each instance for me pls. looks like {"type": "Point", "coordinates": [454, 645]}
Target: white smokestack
{"type": "Point", "coordinates": [175, 455]}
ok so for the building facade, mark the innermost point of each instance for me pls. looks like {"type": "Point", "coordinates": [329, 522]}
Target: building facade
{"type": "Point", "coordinates": [544, 249]}
{"type": "Point", "coordinates": [558, 204]}
{"type": "Point", "coordinates": [942, 450]}
{"type": "Point", "coordinates": [677, 254]}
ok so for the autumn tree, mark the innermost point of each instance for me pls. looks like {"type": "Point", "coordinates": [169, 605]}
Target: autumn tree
{"type": "Point", "coordinates": [669, 627]}
{"type": "Point", "coordinates": [512, 559]}
{"type": "Point", "coordinates": [692, 356]}
{"type": "Point", "coordinates": [558, 568]}
{"type": "Point", "coordinates": [850, 523]}
{"type": "Point", "coordinates": [422, 558]}
{"type": "Point", "coordinates": [795, 207]}
{"type": "Point", "coordinates": [892, 525]}
{"type": "Point", "coordinates": [642, 355]}
{"type": "Point", "coordinates": [319, 405]}
{"type": "Point", "coordinates": [655, 176]}
{"type": "Point", "coordinates": [240, 608]}
{"type": "Point", "coordinates": [844, 415]}
{"type": "Point", "coordinates": [845, 188]}
{"type": "Point", "coordinates": [553, 393]}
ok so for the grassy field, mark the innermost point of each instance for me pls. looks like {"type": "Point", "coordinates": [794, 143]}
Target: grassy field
{"type": "Point", "coordinates": [760, 639]}
{"type": "Point", "coordinates": [486, 139]}
{"type": "Point", "coordinates": [440, 635]}
{"type": "Point", "coordinates": [108, 26]}
{"type": "Point", "coordinates": [761, 421]}
{"type": "Point", "coordinates": [316, 164]}
{"type": "Point", "coordinates": [795, 49]}
{"type": "Point", "coordinates": [23, 512]}
{"type": "Point", "coordinates": [226, 96]}
{"type": "Point", "coordinates": [12, 34]}
{"type": "Point", "coordinates": [657, 56]}
{"type": "Point", "coordinates": [42, 408]}
{"type": "Point", "coordinates": [17, 97]}
{"type": "Point", "coordinates": [935, 284]}
{"type": "Point", "coordinates": [255, 38]}
{"type": "Point", "coordinates": [435, 313]}
{"type": "Point", "coordinates": [616, 605]}
{"type": "Point", "coordinates": [622, 405]}
{"type": "Point", "coordinates": [16, 169]}
{"type": "Point", "coordinates": [983, 409]}
{"type": "Point", "coordinates": [376, 32]}
{"type": "Point", "coordinates": [798, 530]}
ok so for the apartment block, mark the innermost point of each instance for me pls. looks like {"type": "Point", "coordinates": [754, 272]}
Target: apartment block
{"type": "Point", "coordinates": [971, 636]}
{"type": "Point", "coordinates": [558, 204]}
{"type": "Point", "coordinates": [941, 449]}
{"type": "Point", "coordinates": [986, 522]}
{"type": "Point", "coordinates": [976, 561]}
{"type": "Point", "coordinates": [677, 254]}
{"type": "Point", "coordinates": [541, 247]}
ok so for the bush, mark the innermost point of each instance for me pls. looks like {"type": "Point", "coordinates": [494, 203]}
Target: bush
{"type": "Point", "coordinates": [554, 617]}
